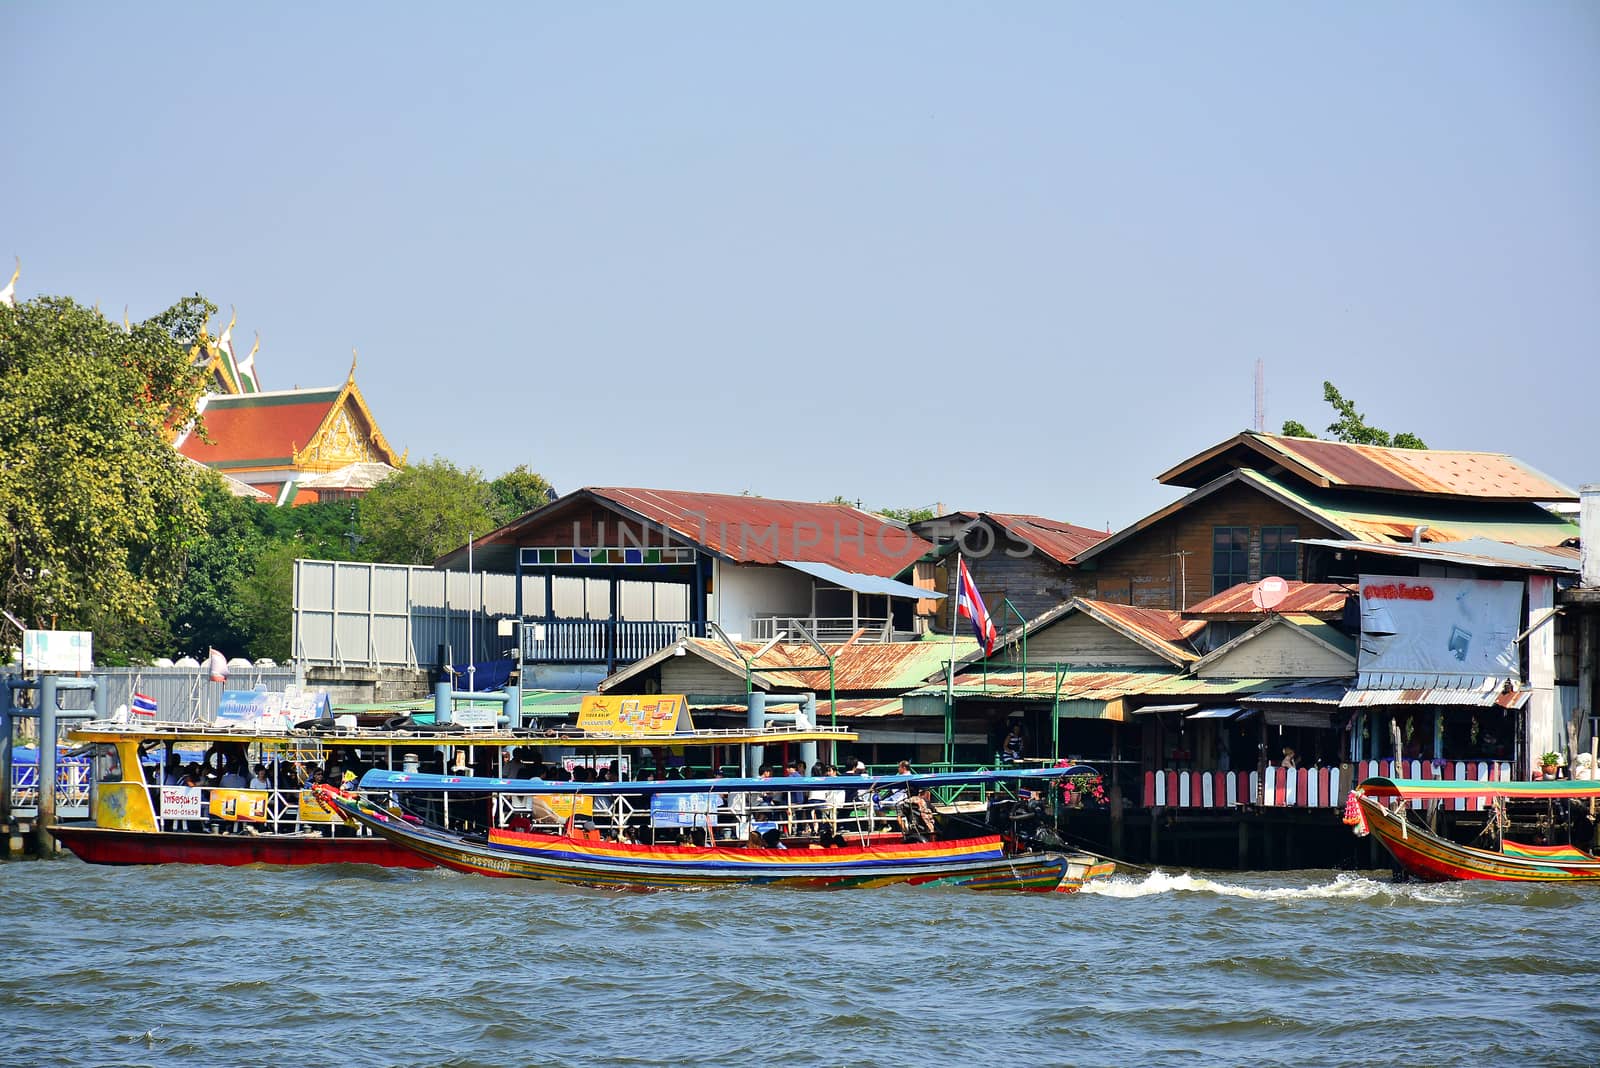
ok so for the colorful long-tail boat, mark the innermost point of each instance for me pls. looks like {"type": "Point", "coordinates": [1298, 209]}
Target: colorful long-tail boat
{"type": "Point", "coordinates": [595, 856]}
{"type": "Point", "coordinates": [1383, 808]}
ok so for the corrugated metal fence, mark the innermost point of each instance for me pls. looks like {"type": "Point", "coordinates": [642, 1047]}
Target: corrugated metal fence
{"type": "Point", "coordinates": [358, 615]}
{"type": "Point", "coordinates": [184, 695]}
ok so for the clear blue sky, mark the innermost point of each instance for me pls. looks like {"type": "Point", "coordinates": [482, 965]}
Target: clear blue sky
{"type": "Point", "coordinates": [1020, 257]}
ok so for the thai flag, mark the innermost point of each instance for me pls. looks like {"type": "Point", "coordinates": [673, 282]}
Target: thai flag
{"type": "Point", "coordinates": [970, 604]}
{"type": "Point", "coordinates": [144, 707]}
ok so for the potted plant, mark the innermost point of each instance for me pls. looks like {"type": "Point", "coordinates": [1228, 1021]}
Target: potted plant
{"type": "Point", "coordinates": [1550, 763]}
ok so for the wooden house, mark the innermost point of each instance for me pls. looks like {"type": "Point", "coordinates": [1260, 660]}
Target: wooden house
{"type": "Point", "coordinates": [1254, 497]}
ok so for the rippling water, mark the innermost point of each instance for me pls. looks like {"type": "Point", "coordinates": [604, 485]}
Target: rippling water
{"type": "Point", "coordinates": [352, 965]}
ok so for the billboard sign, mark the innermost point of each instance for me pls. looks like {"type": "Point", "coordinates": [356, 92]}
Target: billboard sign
{"type": "Point", "coordinates": [652, 716]}
{"type": "Point", "coordinates": [57, 652]}
{"type": "Point", "coordinates": [1465, 628]}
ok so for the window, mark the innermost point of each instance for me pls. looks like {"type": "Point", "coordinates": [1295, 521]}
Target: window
{"type": "Point", "coordinates": [1279, 554]}
{"type": "Point", "coordinates": [1230, 557]}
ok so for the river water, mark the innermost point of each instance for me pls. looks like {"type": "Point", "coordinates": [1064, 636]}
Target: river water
{"type": "Point", "coordinates": [350, 965]}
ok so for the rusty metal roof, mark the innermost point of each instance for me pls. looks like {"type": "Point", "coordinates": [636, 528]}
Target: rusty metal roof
{"type": "Point", "coordinates": [1372, 517]}
{"type": "Point", "coordinates": [1334, 464]}
{"type": "Point", "coordinates": [745, 530]}
{"type": "Point", "coordinates": [1310, 598]}
{"type": "Point", "coordinates": [1057, 540]}
{"type": "Point", "coordinates": [1093, 685]}
{"type": "Point", "coordinates": [1384, 689]}
{"type": "Point", "coordinates": [741, 528]}
{"type": "Point", "coordinates": [1163, 632]}
{"type": "Point", "coordinates": [883, 666]}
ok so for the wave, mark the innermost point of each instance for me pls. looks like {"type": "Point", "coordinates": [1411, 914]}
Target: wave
{"type": "Point", "coordinates": [1342, 886]}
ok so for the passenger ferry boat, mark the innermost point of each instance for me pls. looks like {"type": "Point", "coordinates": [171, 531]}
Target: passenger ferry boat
{"type": "Point", "coordinates": [138, 816]}
{"type": "Point", "coordinates": [819, 833]}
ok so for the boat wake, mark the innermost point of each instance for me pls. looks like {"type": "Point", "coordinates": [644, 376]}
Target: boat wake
{"type": "Point", "coordinates": [1343, 886]}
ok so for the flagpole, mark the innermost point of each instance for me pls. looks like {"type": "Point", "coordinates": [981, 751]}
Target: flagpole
{"type": "Point", "coordinates": [950, 671]}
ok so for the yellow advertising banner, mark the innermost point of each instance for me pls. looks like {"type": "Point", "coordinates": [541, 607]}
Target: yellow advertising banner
{"type": "Point", "coordinates": [636, 716]}
{"type": "Point", "coordinates": [561, 806]}
{"type": "Point", "coordinates": [240, 805]}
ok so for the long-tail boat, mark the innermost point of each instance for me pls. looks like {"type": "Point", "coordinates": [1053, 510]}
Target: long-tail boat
{"type": "Point", "coordinates": [853, 852]}
{"type": "Point", "coordinates": [1382, 807]}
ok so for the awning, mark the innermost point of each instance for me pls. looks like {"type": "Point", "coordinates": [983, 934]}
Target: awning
{"type": "Point", "coordinates": [850, 580]}
{"type": "Point", "coordinates": [1221, 713]}
{"type": "Point", "coordinates": [1190, 707]}
{"type": "Point", "coordinates": [1379, 690]}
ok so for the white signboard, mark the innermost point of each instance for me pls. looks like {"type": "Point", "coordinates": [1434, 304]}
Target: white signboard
{"type": "Point", "coordinates": [1435, 626]}
{"type": "Point", "coordinates": [57, 652]}
{"type": "Point", "coordinates": [475, 717]}
{"type": "Point", "coordinates": [180, 803]}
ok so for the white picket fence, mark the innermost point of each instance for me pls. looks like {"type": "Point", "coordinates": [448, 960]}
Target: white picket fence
{"type": "Point", "coordinates": [1310, 787]}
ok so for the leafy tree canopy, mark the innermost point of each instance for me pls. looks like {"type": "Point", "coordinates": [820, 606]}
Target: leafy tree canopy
{"type": "Point", "coordinates": [97, 510]}
{"type": "Point", "coordinates": [422, 512]}
{"type": "Point", "coordinates": [518, 492]}
{"type": "Point", "coordinates": [907, 515]}
{"type": "Point", "coordinates": [1351, 426]}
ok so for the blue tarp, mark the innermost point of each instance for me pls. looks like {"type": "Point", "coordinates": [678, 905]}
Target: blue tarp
{"type": "Point", "coordinates": [486, 675]}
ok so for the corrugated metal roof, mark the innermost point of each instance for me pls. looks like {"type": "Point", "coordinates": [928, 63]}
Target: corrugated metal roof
{"type": "Point", "coordinates": [893, 666]}
{"type": "Point", "coordinates": [1093, 685]}
{"type": "Point", "coordinates": [1334, 464]}
{"type": "Point", "coordinates": [1057, 540]}
{"type": "Point", "coordinates": [1156, 623]}
{"type": "Point", "coordinates": [1329, 692]}
{"type": "Point", "coordinates": [1374, 690]}
{"type": "Point", "coordinates": [745, 530]}
{"type": "Point", "coordinates": [1163, 632]}
{"type": "Point", "coordinates": [1473, 552]}
{"type": "Point", "coordinates": [1313, 598]}
{"type": "Point", "coordinates": [848, 708]}
{"type": "Point", "coordinates": [1386, 521]}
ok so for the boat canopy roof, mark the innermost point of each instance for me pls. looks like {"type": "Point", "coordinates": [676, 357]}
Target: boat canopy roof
{"type": "Point", "coordinates": [1548, 789]}
{"type": "Point", "coordinates": [447, 734]}
{"type": "Point", "coordinates": [378, 779]}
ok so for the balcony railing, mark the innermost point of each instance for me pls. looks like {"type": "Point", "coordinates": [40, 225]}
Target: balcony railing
{"type": "Point", "coordinates": [597, 641]}
{"type": "Point", "coordinates": [828, 628]}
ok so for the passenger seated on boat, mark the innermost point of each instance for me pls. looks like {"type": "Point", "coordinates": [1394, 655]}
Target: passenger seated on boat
{"type": "Point", "coordinates": [260, 780]}
{"type": "Point", "coordinates": [234, 778]}
{"type": "Point", "coordinates": [916, 816]}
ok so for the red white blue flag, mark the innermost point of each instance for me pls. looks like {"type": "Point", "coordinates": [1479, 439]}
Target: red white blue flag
{"type": "Point", "coordinates": [970, 604]}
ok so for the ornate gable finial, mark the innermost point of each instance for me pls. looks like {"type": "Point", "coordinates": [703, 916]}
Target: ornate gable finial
{"type": "Point", "coordinates": [8, 295]}
{"type": "Point", "coordinates": [352, 363]}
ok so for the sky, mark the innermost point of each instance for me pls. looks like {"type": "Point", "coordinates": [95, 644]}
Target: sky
{"type": "Point", "coordinates": [1017, 257]}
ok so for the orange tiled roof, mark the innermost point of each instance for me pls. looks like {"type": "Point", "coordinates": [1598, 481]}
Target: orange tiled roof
{"type": "Point", "coordinates": [259, 428]}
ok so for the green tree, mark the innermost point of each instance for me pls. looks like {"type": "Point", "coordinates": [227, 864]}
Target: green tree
{"type": "Point", "coordinates": [97, 510]}
{"type": "Point", "coordinates": [422, 512]}
{"type": "Point", "coordinates": [207, 612]}
{"type": "Point", "coordinates": [907, 515]}
{"type": "Point", "coordinates": [266, 601]}
{"type": "Point", "coordinates": [518, 492]}
{"type": "Point", "coordinates": [1352, 427]}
